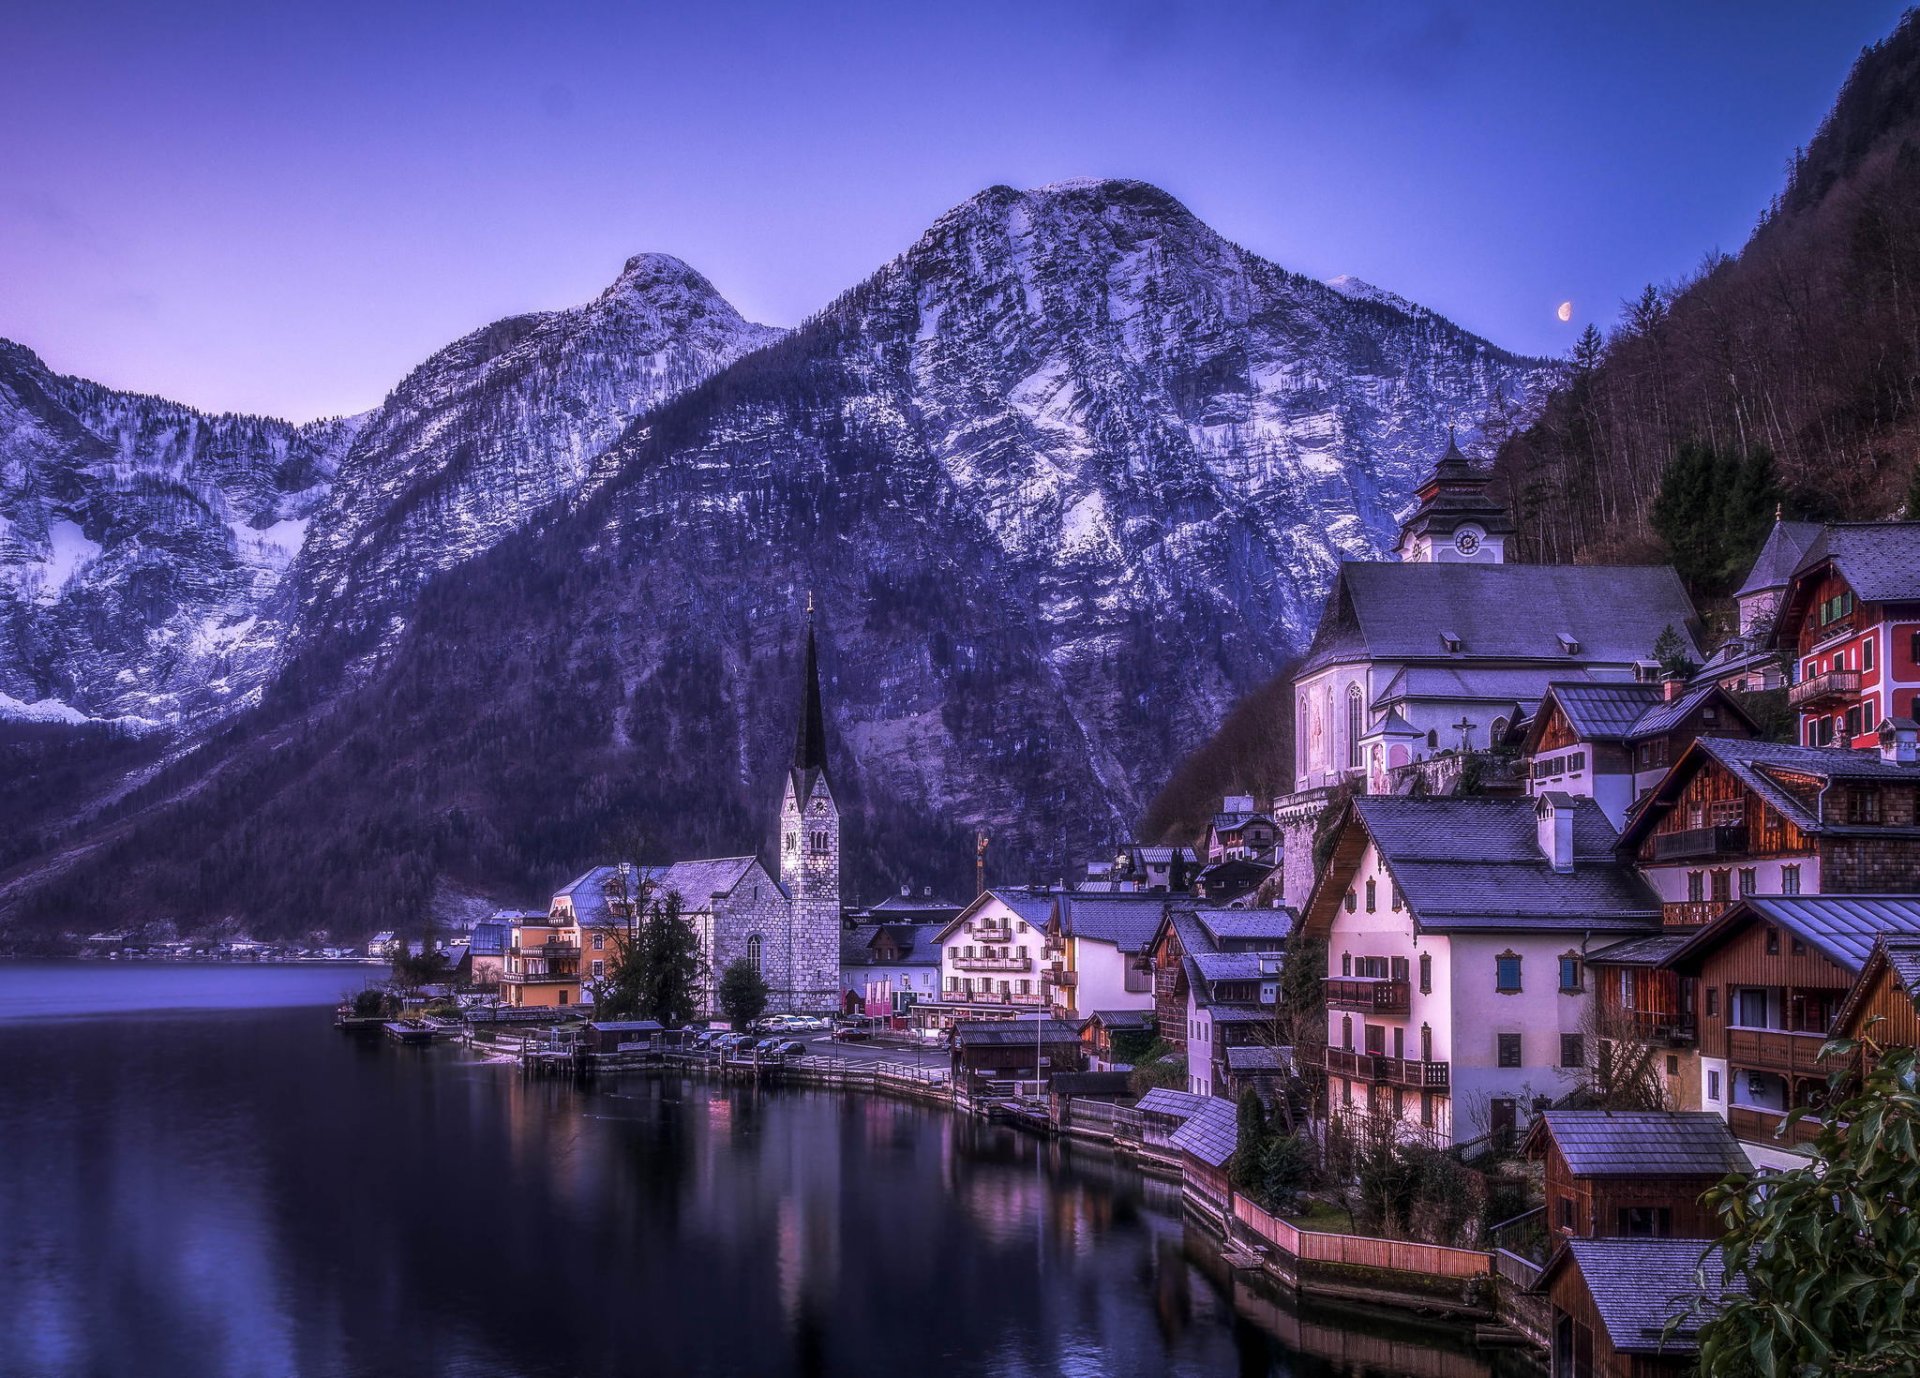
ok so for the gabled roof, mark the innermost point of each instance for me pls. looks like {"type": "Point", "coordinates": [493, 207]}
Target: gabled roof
{"type": "Point", "coordinates": [1475, 862]}
{"type": "Point", "coordinates": [1004, 1033]}
{"type": "Point", "coordinates": [1665, 716]}
{"type": "Point", "coordinates": [1842, 927]}
{"type": "Point", "coordinates": [1026, 905]}
{"type": "Point", "coordinates": [1233, 822]}
{"type": "Point", "coordinates": [1640, 1143]}
{"type": "Point", "coordinates": [1395, 611]}
{"type": "Point", "coordinates": [1235, 966]}
{"type": "Point", "coordinates": [1761, 767]}
{"type": "Point", "coordinates": [1785, 547]}
{"type": "Point", "coordinates": [1650, 951]}
{"type": "Point", "coordinates": [1639, 1285]}
{"type": "Point", "coordinates": [1898, 956]}
{"type": "Point", "coordinates": [1879, 560]}
{"type": "Point", "coordinates": [1210, 1133]}
{"type": "Point", "coordinates": [1123, 1019]}
{"type": "Point", "coordinates": [1597, 710]}
{"type": "Point", "coordinates": [918, 943]}
{"type": "Point", "coordinates": [1127, 921]}
{"type": "Point", "coordinates": [1245, 925]}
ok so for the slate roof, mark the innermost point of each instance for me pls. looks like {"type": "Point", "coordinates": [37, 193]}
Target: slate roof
{"type": "Point", "coordinates": [1002, 1033]}
{"type": "Point", "coordinates": [1843, 927]}
{"type": "Point", "coordinates": [1258, 1057]}
{"type": "Point", "coordinates": [1642, 1143]}
{"type": "Point", "coordinates": [1223, 1013]}
{"type": "Point", "coordinates": [696, 882]}
{"type": "Point", "coordinates": [1210, 1133]}
{"type": "Point", "coordinates": [1899, 955]}
{"type": "Point", "coordinates": [1127, 921]}
{"type": "Point", "coordinates": [1229, 822]}
{"type": "Point", "coordinates": [1663, 717]}
{"type": "Point", "coordinates": [1475, 862]}
{"type": "Point", "coordinates": [1025, 905]}
{"type": "Point", "coordinates": [1599, 711]}
{"type": "Point", "coordinates": [1637, 1285]}
{"type": "Point", "coordinates": [1243, 925]}
{"type": "Point", "coordinates": [1495, 684]}
{"type": "Point", "coordinates": [1164, 1101]}
{"type": "Point", "coordinates": [1904, 958]}
{"type": "Point", "coordinates": [1651, 951]}
{"type": "Point", "coordinates": [1396, 611]}
{"type": "Point", "coordinates": [919, 944]}
{"type": "Point", "coordinates": [1234, 966]}
{"type": "Point", "coordinates": [1124, 1019]}
{"type": "Point", "coordinates": [1879, 560]}
{"type": "Point", "coordinates": [1758, 765]}
{"type": "Point", "coordinates": [1785, 547]}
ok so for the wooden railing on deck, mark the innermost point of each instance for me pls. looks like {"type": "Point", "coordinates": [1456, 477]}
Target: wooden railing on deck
{"type": "Point", "coordinates": [1360, 1251]}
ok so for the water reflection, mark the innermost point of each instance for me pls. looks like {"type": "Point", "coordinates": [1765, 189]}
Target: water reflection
{"type": "Point", "coordinates": [252, 1194]}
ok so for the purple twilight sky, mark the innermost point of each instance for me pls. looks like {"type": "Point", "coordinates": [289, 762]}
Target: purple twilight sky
{"type": "Point", "coordinates": [283, 207]}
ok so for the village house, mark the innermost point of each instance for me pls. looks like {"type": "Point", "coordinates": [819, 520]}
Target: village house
{"type": "Point", "coordinates": [990, 959]}
{"type": "Point", "coordinates": [1850, 618]}
{"type": "Point", "coordinates": [1152, 868]}
{"type": "Point", "coordinates": [1183, 996]}
{"type": "Point", "coordinates": [1748, 661]}
{"type": "Point", "coordinates": [1638, 1173]}
{"type": "Point", "coordinates": [1644, 1014]}
{"type": "Point", "coordinates": [1614, 742]}
{"type": "Point", "coordinates": [1457, 932]}
{"type": "Point", "coordinates": [1882, 1009]}
{"type": "Point", "coordinates": [1772, 974]}
{"type": "Point", "coordinates": [1735, 818]}
{"type": "Point", "coordinates": [1630, 1308]}
{"type": "Point", "coordinates": [1096, 946]}
{"type": "Point", "coordinates": [542, 969]}
{"type": "Point", "coordinates": [1233, 1002]}
{"type": "Point", "coordinates": [1006, 1049]}
{"type": "Point", "coordinates": [1239, 832]}
{"type": "Point", "coordinates": [1101, 1030]}
{"type": "Point", "coordinates": [886, 967]}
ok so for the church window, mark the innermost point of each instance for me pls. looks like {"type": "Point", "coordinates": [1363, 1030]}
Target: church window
{"type": "Point", "coordinates": [1433, 739]}
{"type": "Point", "coordinates": [1356, 714]}
{"type": "Point", "coordinates": [753, 951]}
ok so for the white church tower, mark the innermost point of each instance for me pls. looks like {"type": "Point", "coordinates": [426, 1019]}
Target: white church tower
{"type": "Point", "coordinates": [1458, 520]}
{"type": "Point", "coordinates": [806, 977]}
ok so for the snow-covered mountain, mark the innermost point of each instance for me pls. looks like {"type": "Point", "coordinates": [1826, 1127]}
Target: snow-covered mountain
{"type": "Point", "coordinates": [145, 547]}
{"type": "Point", "coordinates": [1065, 478]}
{"type": "Point", "coordinates": [139, 542]}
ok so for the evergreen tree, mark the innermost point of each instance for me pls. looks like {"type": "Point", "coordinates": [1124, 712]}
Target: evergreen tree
{"type": "Point", "coordinates": [743, 992]}
{"type": "Point", "coordinates": [1912, 512]}
{"type": "Point", "coordinates": [1671, 652]}
{"type": "Point", "coordinates": [672, 967]}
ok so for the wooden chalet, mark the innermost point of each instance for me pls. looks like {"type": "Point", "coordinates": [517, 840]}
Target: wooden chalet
{"type": "Point", "coordinates": [1005, 1049]}
{"type": "Point", "coordinates": [1883, 1008]}
{"type": "Point", "coordinates": [1615, 1303]}
{"type": "Point", "coordinates": [1632, 1173]}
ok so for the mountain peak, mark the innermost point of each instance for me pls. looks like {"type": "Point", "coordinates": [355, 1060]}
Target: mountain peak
{"type": "Point", "coordinates": [645, 273]}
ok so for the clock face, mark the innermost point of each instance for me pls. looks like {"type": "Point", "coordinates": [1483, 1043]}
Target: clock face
{"type": "Point", "coordinates": [1466, 542]}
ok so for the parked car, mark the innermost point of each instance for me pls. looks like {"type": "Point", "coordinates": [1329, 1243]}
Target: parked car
{"type": "Point", "coordinates": [793, 1047]}
{"type": "Point", "coordinates": [851, 1036]}
{"type": "Point", "coordinates": [767, 1045]}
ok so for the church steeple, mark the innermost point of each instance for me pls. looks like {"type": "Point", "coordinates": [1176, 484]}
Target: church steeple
{"type": "Point", "coordinates": [1458, 518]}
{"type": "Point", "coordinates": [810, 744]}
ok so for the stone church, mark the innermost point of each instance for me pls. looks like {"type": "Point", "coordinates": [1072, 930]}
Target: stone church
{"type": "Point", "coordinates": [786, 925]}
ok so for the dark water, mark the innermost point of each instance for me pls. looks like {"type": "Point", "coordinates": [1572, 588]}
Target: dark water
{"type": "Point", "coordinates": [245, 1191]}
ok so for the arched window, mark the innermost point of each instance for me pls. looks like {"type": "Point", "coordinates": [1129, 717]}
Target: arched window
{"type": "Point", "coordinates": [1499, 733]}
{"type": "Point", "coordinates": [1356, 726]}
{"type": "Point", "coordinates": [1433, 739]}
{"type": "Point", "coordinates": [753, 951]}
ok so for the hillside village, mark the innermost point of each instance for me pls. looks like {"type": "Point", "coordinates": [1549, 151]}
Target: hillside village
{"type": "Point", "coordinates": [1545, 903]}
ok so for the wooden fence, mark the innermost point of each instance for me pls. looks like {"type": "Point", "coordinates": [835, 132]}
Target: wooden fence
{"type": "Point", "coordinates": [1361, 1251]}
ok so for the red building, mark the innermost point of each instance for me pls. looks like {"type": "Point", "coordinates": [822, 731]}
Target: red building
{"type": "Point", "coordinates": [1850, 618]}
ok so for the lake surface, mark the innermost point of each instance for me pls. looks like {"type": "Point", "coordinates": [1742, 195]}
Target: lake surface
{"type": "Point", "coordinates": [241, 1190]}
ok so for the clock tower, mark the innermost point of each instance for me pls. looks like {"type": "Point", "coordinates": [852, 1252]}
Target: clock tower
{"type": "Point", "coordinates": [1458, 520]}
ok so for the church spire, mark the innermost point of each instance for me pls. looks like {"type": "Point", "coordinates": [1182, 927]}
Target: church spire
{"type": "Point", "coordinates": [810, 744]}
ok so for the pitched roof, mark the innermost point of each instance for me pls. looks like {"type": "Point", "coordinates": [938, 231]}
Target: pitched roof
{"type": "Point", "coordinates": [1397, 611]}
{"type": "Point", "coordinates": [1639, 1285]}
{"type": "Point", "coordinates": [1761, 767]}
{"type": "Point", "coordinates": [1244, 925]}
{"type": "Point", "coordinates": [1123, 1019]}
{"type": "Point", "coordinates": [1503, 685]}
{"type": "Point", "coordinates": [1221, 1012]}
{"type": "Point", "coordinates": [1879, 560]}
{"type": "Point", "coordinates": [1165, 1101]}
{"type": "Point", "coordinates": [1785, 547]}
{"type": "Point", "coordinates": [1000, 1033]}
{"type": "Point", "coordinates": [1650, 951]}
{"type": "Point", "coordinates": [1899, 956]}
{"type": "Point", "coordinates": [1235, 966]}
{"type": "Point", "coordinates": [1843, 927]}
{"type": "Point", "coordinates": [1641, 1143]}
{"type": "Point", "coordinates": [1665, 715]}
{"type": "Point", "coordinates": [1025, 905]}
{"type": "Point", "coordinates": [696, 882]}
{"type": "Point", "coordinates": [1210, 1133]}
{"type": "Point", "coordinates": [489, 938]}
{"type": "Point", "coordinates": [1127, 921]}
{"type": "Point", "coordinates": [1258, 1057]}
{"type": "Point", "coordinates": [1475, 862]}
{"type": "Point", "coordinates": [1602, 711]}
{"type": "Point", "coordinates": [918, 943]}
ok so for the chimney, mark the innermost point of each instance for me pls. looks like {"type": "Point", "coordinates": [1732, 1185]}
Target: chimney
{"type": "Point", "coordinates": [1672, 687]}
{"type": "Point", "coordinates": [1899, 741]}
{"type": "Point", "coordinates": [1553, 816]}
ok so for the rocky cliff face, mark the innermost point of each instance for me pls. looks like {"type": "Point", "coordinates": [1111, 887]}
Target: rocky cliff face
{"type": "Point", "coordinates": [139, 542]}
{"type": "Point", "coordinates": [1065, 478]}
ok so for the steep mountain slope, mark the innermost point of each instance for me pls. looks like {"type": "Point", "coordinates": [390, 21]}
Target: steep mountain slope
{"type": "Point", "coordinates": [1066, 477]}
{"type": "Point", "coordinates": [139, 540]}
{"type": "Point", "coordinates": [1806, 345]}
{"type": "Point", "coordinates": [495, 426]}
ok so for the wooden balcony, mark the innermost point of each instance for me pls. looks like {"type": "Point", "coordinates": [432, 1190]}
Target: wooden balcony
{"type": "Point", "coordinates": [1656, 1026]}
{"type": "Point", "coordinates": [1753, 1125]}
{"type": "Point", "coordinates": [994, 963]}
{"type": "Point", "coordinates": [1370, 994]}
{"type": "Point", "coordinates": [1835, 689]}
{"type": "Point", "coordinates": [540, 978]}
{"type": "Point", "coordinates": [1729, 841]}
{"type": "Point", "coordinates": [1063, 978]}
{"type": "Point", "coordinates": [993, 934]}
{"type": "Point", "coordinates": [1408, 1073]}
{"type": "Point", "coordinates": [547, 952]}
{"type": "Point", "coordinates": [1692, 913]}
{"type": "Point", "coordinates": [1777, 1050]}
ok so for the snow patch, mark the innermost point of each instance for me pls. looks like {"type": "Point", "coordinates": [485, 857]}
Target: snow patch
{"type": "Point", "coordinates": [70, 551]}
{"type": "Point", "coordinates": [275, 545]}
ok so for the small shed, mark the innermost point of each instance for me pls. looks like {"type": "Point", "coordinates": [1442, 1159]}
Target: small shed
{"type": "Point", "coordinates": [1004, 1049]}
{"type": "Point", "coordinates": [1104, 1024]}
{"type": "Point", "coordinates": [1613, 1299]}
{"type": "Point", "coordinates": [1206, 1143]}
{"type": "Point", "coordinates": [1632, 1172]}
{"type": "Point", "coordinates": [623, 1035]}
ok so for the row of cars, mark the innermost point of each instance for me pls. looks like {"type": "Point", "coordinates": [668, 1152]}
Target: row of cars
{"type": "Point", "coordinates": [748, 1045]}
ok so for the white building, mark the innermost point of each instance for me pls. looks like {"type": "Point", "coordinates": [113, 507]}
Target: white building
{"type": "Point", "coordinates": [1456, 932]}
{"type": "Point", "coordinates": [991, 957]}
{"type": "Point", "coordinates": [1097, 949]}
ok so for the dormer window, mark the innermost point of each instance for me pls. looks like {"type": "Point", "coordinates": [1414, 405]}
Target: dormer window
{"type": "Point", "coordinates": [1450, 640]}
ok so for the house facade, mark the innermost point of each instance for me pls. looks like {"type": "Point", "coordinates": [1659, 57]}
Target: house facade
{"type": "Point", "coordinates": [1457, 932]}
{"type": "Point", "coordinates": [887, 967]}
{"type": "Point", "coordinates": [1097, 951]}
{"type": "Point", "coordinates": [992, 955]}
{"type": "Point", "coordinates": [1850, 619]}
{"type": "Point", "coordinates": [1632, 1173]}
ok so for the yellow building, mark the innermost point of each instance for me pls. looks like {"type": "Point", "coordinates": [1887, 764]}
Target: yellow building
{"type": "Point", "coordinates": [543, 964]}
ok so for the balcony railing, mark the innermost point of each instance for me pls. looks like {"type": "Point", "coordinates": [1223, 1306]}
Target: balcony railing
{"type": "Point", "coordinates": [1060, 976]}
{"type": "Point", "coordinates": [993, 963]}
{"type": "Point", "coordinates": [1692, 913]}
{"type": "Point", "coordinates": [1777, 1050]}
{"type": "Point", "coordinates": [548, 951]}
{"type": "Point", "coordinates": [1755, 1125]}
{"type": "Point", "coordinates": [539, 978]}
{"type": "Point", "coordinates": [960, 997]}
{"type": "Point", "coordinates": [1830, 690]}
{"type": "Point", "coordinates": [1658, 1026]}
{"type": "Point", "coordinates": [1410, 1073]}
{"type": "Point", "coordinates": [991, 934]}
{"type": "Point", "coordinates": [1728, 840]}
{"type": "Point", "coordinates": [1373, 994]}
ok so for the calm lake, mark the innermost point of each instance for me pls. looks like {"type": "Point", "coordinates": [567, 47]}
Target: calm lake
{"type": "Point", "coordinates": [199, 1176]}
